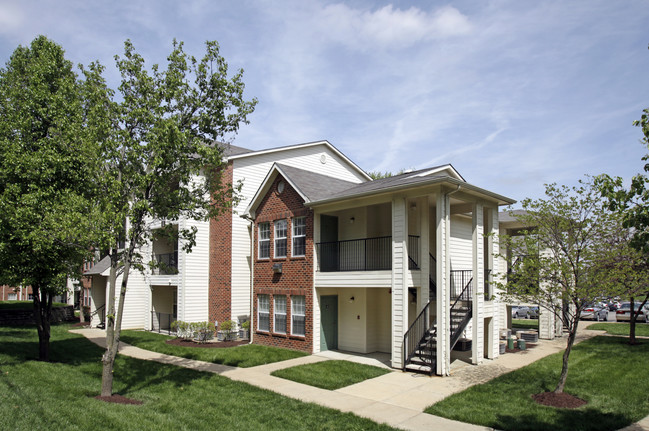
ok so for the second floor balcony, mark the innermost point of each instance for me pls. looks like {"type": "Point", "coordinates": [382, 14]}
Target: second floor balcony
{"type": "Point", "coordinates": [365, 254]}
{"type": "Point", "coordinates": [165, 264]}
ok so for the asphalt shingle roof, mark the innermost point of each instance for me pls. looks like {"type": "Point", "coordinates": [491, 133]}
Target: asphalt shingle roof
{"type": "Point", "coordinates": [314, 186]}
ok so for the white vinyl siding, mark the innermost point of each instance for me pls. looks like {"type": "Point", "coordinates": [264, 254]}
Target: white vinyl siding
{"type": "Point", "coordinates": [279, 314]}
{"type": "Point", "coordinates": [299, 236]}
{"type": "Point", "coordinates": [263, 313]}
{"type": "Point", "coordinates": [298, 318]}
{"type": "Point", "coordinates": [280, 238]}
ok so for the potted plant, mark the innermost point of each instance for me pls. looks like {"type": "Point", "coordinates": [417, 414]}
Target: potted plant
{"type": "Point", "coordinates": [225, 332]}
{"type": "Point", "coordinates": [244, 331]}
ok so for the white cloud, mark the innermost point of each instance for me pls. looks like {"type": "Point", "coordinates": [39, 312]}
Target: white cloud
{"type": "Point", "coordinates": [390, 28]}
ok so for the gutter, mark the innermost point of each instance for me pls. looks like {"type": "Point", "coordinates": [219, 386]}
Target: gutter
{"type": "Point", "coordinates": [252, 270]}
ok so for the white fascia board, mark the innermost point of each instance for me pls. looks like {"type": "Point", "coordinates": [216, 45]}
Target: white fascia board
{"type": "Point", "coordinates": [454, 173]}
{"type": "Point", "coordinates": [308, 144]}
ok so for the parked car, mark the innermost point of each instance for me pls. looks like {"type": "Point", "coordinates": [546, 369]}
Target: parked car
{"type": "Point", "coordinates": [521, 312]}
{"type": "Point", "coordinates": [594, 312]}
{"type": "Point", "coordinates": [533, 312]}
{"type": "Point", "coordinates": [623, 314]}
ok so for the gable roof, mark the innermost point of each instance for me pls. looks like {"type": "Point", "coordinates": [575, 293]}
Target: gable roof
{"type": "Point", "coordinates": [99, 267]}
{"type": "Point", "coordinates": [325, 143]}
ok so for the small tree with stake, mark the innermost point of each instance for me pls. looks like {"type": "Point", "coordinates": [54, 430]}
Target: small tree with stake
{"type": "Point", "coordinates": [558, 256]}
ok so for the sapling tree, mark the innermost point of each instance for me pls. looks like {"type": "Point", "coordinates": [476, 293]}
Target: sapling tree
{"type": "Point", "coordinates": [554, 259]}
{"type": "Point", "coordinates": [164, 161]}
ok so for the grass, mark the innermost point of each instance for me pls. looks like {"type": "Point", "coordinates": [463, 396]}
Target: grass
{"type": "Point", "coordinates": [330, 375]}
{"type": "Point", "coordinates": [247, 355]}
{"type": "Point", "coordinates": [60, 395]}
{"type": "Point", "coordinates": [605, 371]}
{"type": "Point", "coordinates": [24, 305]}
{"type": "Point", "coordinates": [641, 329]}
{"type": "Point", "coordinates": [525, 324]}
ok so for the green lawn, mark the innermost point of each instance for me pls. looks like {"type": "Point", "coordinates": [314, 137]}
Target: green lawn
{"type": "Point", "coordinates": [59, 395]}
{"type": "Point", "coordinates": [24, 305]}
{"type": "Point", "coordinates": [605, 371]}
{"type": "Point", "coordinates": [641, 329]}
{"type": "Point", "coordinates": [330, 374]}
{"type": "Point", "coordinates": [525, 324]}
{"type": "Point", "coordinates": [247, 355]}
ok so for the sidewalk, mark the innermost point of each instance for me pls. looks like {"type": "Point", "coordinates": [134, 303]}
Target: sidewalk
{"type": "Point", "coordinates": [397, 399]}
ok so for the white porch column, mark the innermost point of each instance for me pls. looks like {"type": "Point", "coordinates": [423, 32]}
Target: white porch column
{"type": "Point", "coordinates": [477, 346]}
{"type": "Point", "coordinates": [443, 256]}
{"type": "Point", "coordinates": [399, 278]}
{"type": "Point", "coordinates": [492, 227]}
{"type": "Point", "coordinates": [424, 252]}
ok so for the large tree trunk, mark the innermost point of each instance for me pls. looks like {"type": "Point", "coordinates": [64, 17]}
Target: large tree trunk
{"type": "Point", "coordinates": [632, 319]}
{"type": "Point", "coordinates": [574, 322]}
{"type": "Point", "coordinates": [42, 313]}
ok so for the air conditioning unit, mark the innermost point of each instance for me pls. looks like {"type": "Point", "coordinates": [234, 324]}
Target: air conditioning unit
{"type": "Point", "coordinates": [277, 268]}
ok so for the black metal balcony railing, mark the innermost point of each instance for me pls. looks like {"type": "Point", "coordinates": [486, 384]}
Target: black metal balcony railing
{"type": "Point", "coordinates": [366, 254]}
{"type": "Point", "coordinates": [459, 280]}
{"type": "Point", "coordinates": [162, 322]}
{"type": "Point", "coordinates": [165, 264]}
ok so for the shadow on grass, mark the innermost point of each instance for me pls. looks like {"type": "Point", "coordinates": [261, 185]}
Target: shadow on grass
{"type": "Point", "coordinates": [563, 419]}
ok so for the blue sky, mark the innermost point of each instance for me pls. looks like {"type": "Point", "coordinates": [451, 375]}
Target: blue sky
{"type": "Point", "coordinates": [514, 94]}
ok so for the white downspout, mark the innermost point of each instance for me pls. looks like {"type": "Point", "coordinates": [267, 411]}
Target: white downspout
{"type": "Point", "coordinates": [252, 271]}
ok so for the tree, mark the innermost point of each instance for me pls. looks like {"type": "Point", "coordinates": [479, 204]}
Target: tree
{"type": "Point", "coordinates": [624, 270]}
{"type": "Point", "coordinates": [632, 204]}
{"type": "Point", "coordinates": [163, 160]}
{"type": "Point", "coordinates": [46, 175]}
{"type": "Point", "coordinates": [557, 256]}
{"type": "Point", "coordinates": [377, 175]}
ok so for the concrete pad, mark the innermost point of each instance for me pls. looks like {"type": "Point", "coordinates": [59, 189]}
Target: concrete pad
{"type": "Point", "coordinates": [345, 403]}
{"type": "Point", "coordinates": [416, 399]}
{"type": "Point", "coordinates": [372, 390]}
{"type": "Point", "coordinates": [424, 421]}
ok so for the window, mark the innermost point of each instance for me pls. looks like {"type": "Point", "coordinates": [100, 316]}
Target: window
{"type": "Point", "coordinates": [30, 296]}
{"type": "Point", "coordinates": [298, 318]}
{"type": "Point", "coordinates": [279, 324]}
{"type": "Point", "coordinates": [280, 238]}
{"type": "Point", "coordinates": [263, 313]}
{"type": "Point", "coordinates": [12, 297]}
{"type": "Point", "coordinates": [264, 240]}
{"type": "Point", "coordinates": [299, 236]}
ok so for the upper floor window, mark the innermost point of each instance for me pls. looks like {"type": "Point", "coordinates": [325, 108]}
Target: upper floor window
{"type": "Point", "coordinates": [280, 238]}
{"type": "Point", "coordinates": [299, 236]}
{"type": "Point", "coordinates": [264, 240]}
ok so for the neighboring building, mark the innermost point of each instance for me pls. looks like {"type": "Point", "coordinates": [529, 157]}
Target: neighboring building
{"type": "Point", "coordinates": [383, 266]}
{"type": "Point", "coordinates": [10, 293]}
{"type": "Point", "coordinates": [320, 257]}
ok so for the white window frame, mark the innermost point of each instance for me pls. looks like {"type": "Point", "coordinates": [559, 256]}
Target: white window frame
{"type": "Point", "coordinates": [298, 311]}
{"type": "Point", "coordinates": [279, 310]}
{"type": "Point", "coordinates": [12, 297]}
{"type": "Point", "coordinates": [263, 227]}
{"type": "Point", "coordinates": [281, 228]}
{"type": "Point", "coordinates": [263, 312]}
{"type": "Point", "coordinates": [299, 232]}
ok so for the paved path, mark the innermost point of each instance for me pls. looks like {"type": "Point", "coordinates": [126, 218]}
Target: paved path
{"type": "Point", "coordinates": [397, 399]}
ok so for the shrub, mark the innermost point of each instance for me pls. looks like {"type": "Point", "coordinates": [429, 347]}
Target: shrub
{"type": "Point", "coordinates": [226, 329]}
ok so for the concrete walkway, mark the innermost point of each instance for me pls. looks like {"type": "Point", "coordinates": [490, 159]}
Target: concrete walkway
{"type": "Point", "coordinates": [397, 398]}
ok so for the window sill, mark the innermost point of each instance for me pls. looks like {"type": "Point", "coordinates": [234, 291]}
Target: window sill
{"type": "Point", "coordinates": [297, 337]}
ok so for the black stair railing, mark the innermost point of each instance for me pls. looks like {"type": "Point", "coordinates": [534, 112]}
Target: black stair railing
{"type": "Point", "coordinates": [101, 312]}
{"type": "Point", "coordinates": [461, 312]}
{"type": "Point", "coordinates": [432, 278]}
{"type": "Point", "coordinates": [416, 334]}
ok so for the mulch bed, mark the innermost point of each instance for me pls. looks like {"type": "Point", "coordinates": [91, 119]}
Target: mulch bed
{"type": "Point", "coordinates": [216, 345]}
{"type": "Point", "coordinates": [118, 399]}
{"type": "Point", "coordinates": [561, 400]}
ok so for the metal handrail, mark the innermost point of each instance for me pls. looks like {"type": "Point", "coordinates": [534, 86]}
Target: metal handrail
{"type": "Point", "coordinates": [364, 254]}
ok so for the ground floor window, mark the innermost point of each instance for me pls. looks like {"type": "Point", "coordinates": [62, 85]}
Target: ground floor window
{"type": "Point", "coordinates": [298, 318]}
{"type": "Point", "coordinates": [279, 323]}
{"type": "Point", "coordinates": [263, 313]}
{"type": "Point", "coordinates": [13, 296]}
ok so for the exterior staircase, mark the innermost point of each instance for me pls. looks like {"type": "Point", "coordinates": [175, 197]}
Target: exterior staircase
{"type": "Point", "coordinates": [420, 341]}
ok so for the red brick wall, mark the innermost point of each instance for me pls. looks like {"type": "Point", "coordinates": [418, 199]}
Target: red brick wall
{"type": "Point", "coordinates": [6, 290]}
{"type": "Point", "coordinates": [297, 272]}
{"type": "Point", "coordinates": [220, 266]}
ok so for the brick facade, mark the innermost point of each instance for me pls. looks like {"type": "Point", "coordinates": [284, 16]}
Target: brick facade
{"type": "Point", "coordinates": [296, 278]}
{"type": "Point", "coordinates": [21, 293]}
{"type": "Point", "coordinates": [220, 266]}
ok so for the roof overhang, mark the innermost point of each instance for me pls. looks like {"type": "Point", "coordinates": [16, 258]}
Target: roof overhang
{"type": "Point", "coordinates": [265, 186]}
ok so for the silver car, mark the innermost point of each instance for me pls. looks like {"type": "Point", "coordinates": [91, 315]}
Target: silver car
{"type": "Point", "coordinates": [521, 312]}
{"type": "Point", "coordinates": [594, 312]}
{"type": "Point", "coordinates": [623, 314]}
